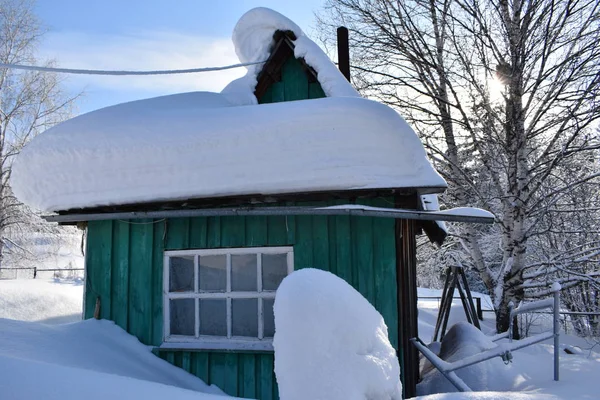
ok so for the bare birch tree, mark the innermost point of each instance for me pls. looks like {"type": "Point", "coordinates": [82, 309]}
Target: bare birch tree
{"type": "Point", "coordinates": [504, 95]}
{"type": "Point", "coordinates": [30, 102]}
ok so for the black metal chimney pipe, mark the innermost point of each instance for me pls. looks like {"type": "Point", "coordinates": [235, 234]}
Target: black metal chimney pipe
{"type": "Point", "coordinates": [343, 51]}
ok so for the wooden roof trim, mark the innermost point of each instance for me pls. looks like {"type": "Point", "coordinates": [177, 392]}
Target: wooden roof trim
{"type": "Point", "coordinates": [351, 209]}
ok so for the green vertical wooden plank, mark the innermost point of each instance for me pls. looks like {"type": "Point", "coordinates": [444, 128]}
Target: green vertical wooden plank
{"type": "Point", "coordinates": [178, 233]}
{"type": "Point", "coordinates": [363, 243]}
{"type": "Point", "coordinates": [276, 230]}
{"type": "Point", "coordinates": [277, 92]}
{"type": "Point", "coordinates": [231, 376]}
{"type": "Point", "coordinates": [233, 232]}
{"type": "Point", "coordinates": [140, 280]}
{"type": "Point", "coordinates": [303, 248]}
{"type": "Point", "coordinates": [157, 283]}
{"type": "Point", "coordinates": [320, 233]}
{"type": "Point", "coordinates": [201, 366]}
{"type": "Point", "coordinates": [315, 91]}
{"type": "Point", "coordinates": [247, 376]}
{"type": "Point", "coordinates": [295, 80]}
{"type": "Point", "coordinates": [290, 226]}
{"type": "Point", "coordinates": [213, 236]}
{"type": "Point", "coordinates": [120, 275]}
{"type": "Point", "coordinates": [384, 266]}
{"type": "Point", "coordinates": [343, 248]}
{"type": "Point", "coordinates": [198, 232]}
{"type": "Point", "coordinates": [265, 377]}
{"type": "Point", "coordinates": [179, 358]}
{"type": "Point", "coordinates": [218, 370]}
{"type": "Point", "coordinates": [186, 361]}
{"type": "Point", "coordinates": [170, 357]}
{"type": "Point", "coordinates": [99, 268]}
{"type": "Point", "coordinates": [331, 243]}
{"type": "Point", "coordinates": [256, 231]}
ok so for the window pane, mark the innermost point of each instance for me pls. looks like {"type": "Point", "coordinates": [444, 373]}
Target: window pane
{"type": "Point", "coordinates": [212, 273]}
{"type": "Point", "coordinates": [181, 274]}
{"type": "Point", "coordinates": [274, 269]}
{"type": "Point", "coordinates": [182, 317]}
{"type": "Point", "coordinates": [244, 314]}
{"type": "Point", "coordinates": [243, 272]}
{"type": "Point", "coordinates": [268, 318]}
{"type": "Point", "coordinates": [213, 317]}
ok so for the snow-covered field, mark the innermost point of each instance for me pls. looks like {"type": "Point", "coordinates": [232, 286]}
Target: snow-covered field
{"type": "Point", "coordinates": [97, 360]}
{"type": "Point", "coordinates": [53, 301]}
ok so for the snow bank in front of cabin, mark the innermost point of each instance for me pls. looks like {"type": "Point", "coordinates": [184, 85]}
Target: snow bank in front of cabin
{"type": "Point", "coordinates": [461, 341]}
{"type": "Point", "coordinates": [98, 346]}
{"type": "Point", "coordinates": [196, 145]}
{"type": "Point", "coordinates": [253, 39]}
{"type": "Point", "coordinates": [330, 342]}
{"type": "Point", "coordinates": [27, 380]}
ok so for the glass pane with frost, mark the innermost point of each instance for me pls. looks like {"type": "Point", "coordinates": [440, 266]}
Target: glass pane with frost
{"type": "Point", "coordinates": [244, 314]}
{"type": "Point", "coordinates": [212, 273]}
{"type": "Point", "coordinates": [213, 317]}
{"type": "Point", "coordinates": [274, 269]}
{"type": "Point", "coordinates": [182, 317]}
{"type": "Point", "coordinates": [243, 273]}
{"type": "Point", "coordinates": [181, 274]}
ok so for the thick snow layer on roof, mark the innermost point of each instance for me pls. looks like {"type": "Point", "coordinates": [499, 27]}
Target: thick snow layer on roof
{"type": "Point", "coordinates": [253, 38]}
{"type": "Point", "coordinates": [330, 342]}
{"type": "Point", "coordinates": [196, 145]}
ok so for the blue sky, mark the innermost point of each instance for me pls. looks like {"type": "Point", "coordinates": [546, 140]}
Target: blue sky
{"type": "Point", "coordinates": [151, 34]}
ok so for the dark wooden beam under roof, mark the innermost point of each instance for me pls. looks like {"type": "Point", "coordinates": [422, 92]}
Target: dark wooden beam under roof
{"type": "Point", "coordinates": [254, 199]}
{"type": "Point", "coordinates": [281, 51]}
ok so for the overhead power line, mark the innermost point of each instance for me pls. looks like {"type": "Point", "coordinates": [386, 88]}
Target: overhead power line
{"type": "Point", "coordinates": [123, 73]}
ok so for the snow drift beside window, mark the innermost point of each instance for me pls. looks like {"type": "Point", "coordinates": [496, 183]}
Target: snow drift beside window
{"type": "Point", "coordinates": [330, 342]}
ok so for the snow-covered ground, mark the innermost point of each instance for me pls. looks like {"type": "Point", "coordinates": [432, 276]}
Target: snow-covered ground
{"type": "Point", "coordinates": [55, 301]}
{"type": "Point", "coordinates": [91, 359]}
{"type": "Point", "coordinates": [98, 360]}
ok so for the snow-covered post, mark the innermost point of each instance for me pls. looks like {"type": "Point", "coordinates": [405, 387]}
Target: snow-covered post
{"type": "Point", "coordinates": [556, 289]}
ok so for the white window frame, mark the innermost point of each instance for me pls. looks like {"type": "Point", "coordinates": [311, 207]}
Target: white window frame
{"type": "Point", "coordinates": [220, 342]}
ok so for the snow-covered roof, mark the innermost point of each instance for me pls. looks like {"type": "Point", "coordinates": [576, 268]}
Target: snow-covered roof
{"type": "Point", "coordinates": [208, 145]}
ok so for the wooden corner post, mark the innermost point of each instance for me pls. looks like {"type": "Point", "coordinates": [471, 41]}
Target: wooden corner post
{"type": "Point", "coordinates": [406, 278]}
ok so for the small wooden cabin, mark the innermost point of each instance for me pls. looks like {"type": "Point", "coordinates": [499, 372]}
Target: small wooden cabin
{"type": "Point", "coordinates": [195, 278]}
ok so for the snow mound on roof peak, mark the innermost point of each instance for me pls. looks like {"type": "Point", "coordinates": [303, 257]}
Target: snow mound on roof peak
{"type": "Point", "coordinates": [330, 342]}
{"type": "Point", "coordinates": [253, 33]}
{"type": "Point", "coordinates": [253, 39]}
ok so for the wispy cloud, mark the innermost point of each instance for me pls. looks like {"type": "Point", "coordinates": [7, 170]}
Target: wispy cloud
{"type": "Point", "coordinates": [143, 51]}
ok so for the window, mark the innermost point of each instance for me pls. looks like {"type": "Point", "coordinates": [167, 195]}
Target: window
{"type": "Point", "coordinates": [223, 298]}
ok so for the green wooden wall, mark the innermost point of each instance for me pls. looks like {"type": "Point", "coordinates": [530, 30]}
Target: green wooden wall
{"type": "Point", "coordinates": [125, 269]}
{"type": "Point", "coordinates": [294, 85]}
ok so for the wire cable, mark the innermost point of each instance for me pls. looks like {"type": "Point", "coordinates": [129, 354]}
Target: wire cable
{"type": "Point", "coordinates": [125, 73]}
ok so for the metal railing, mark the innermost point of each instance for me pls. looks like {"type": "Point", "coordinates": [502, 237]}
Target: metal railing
{"type": "Point", "coordinates": [503, 350]}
